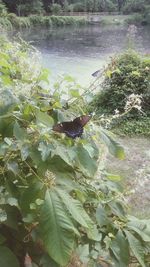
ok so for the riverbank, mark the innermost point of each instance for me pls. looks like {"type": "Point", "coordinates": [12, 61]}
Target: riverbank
{"type": "Point", "coordinates": [11, 20]}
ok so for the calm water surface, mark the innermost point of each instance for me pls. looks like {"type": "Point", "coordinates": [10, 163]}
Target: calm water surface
{"type": "Point", "coordinates": [81, 51]}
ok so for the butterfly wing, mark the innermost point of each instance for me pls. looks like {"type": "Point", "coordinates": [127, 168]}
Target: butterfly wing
{"type": "Point", "coordinates": [73, 128]}
{"type": "Point", "coordinates": [82, 120]}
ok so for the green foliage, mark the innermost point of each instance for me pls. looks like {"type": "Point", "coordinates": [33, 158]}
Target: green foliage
{"type": "Point", "coordinates": [134, 6]}
{"type": "Point", "coordinates": [13, 21]}
{"type": "Point", "coordinates": [66, 6]}
{"type": "Point", "coordinates": [52, 204]}
{"type": "Point", "coordinates": [3, 9]}
{"type": "Point", "coordinates": [55, 9]}
{"type": "Point", "coordinates": [78, 7]}
{"type": "Point", "coordinates": [133, 127]}
{"type": "Point", "coordinates": [27, 7]}
{"type": "Point", "coordinates": [125, 75]}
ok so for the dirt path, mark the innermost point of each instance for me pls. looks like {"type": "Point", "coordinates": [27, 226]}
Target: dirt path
{"type": "Point", "coordinates": [135, 170]}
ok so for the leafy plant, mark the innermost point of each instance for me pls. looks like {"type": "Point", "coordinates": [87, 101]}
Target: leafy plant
{"type": "Point", "coordinates": [56, 9]}
{"type": "Point", "coordinates": [126, 76]}
{"type": "Point", "coordinates": [53, 205]}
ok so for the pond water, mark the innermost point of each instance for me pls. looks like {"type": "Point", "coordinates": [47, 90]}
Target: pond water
{"type": "Point", "coordinates": [80, 51]}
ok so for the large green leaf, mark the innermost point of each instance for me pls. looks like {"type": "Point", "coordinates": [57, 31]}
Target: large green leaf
{"type": "Point", "coordinates": [101, 216]}
{"type": "Point", "coordinates": [57, 229]}
{"type": "Point", "coordinates": [117, 209]}
{"type": "Point", "coordinates": [114, 147]}
{"type": "Point", "coordinates": [19, 132]}
{"type": "Point", "coordinates": [67, 154]}
{"type": "Point", "coordinates": [2, 239]}
{"type": "Point", "coordinates": [7, 258]}
{"type": "Point", "coordinates": [43, 118]}
{"type": "Point", "coordinates": [33, 192]}
{"type": "Point", "coordinates": [78, 213]}
{"type": "Point", "coordinates": [46, 261]}
{"type": "Point", "coordinates": [85, 163]}
{"type": "Point", "coordinates": [136, 247]}
{"type": "Point", "coordinates": [45, 149]}
{"type": "Point", "coordinates": [120, 249]}
{"type": "Point", "coordinates": [140, 227]}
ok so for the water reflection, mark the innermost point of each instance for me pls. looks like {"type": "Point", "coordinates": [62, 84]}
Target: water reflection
{"type": "Point", "coordinates": [81, 51]}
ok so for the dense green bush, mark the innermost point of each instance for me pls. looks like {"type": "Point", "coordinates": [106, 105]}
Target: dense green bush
{"type": "Point", "coordinates": [134, 6]}
{"type": "Point", "coordinates": [51, 206]}
{"type": "Point", "coordinates": [136, 19]}
{"type": "Point", "coordinates": [125, 75]}
{"type": "Point", "coordinates": [140, 127]}
{"type": "Point", "coordinates": [78, 7]}
{"type": "Point", "coordinates": [12, 21]}
{"type": "Point", "coordinates": [56, 9]}
{"type": "Point", "coordinates": [3, 9]}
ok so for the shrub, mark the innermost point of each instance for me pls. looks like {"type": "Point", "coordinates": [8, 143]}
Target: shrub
{"type": "Point", "coordinates": [135, 19]}
{"type": "Point", "coordinates": [125, 75]}
{"type": "Point", "coordinates": [78, 7]}
{"type": "Point", "coordinates": [134, 6]}
{"type": "Point", "coordinates": [66, 6]}
{"type": "Point", "coordinates": [3, 9]}
{"type": "Point", "coordinates": [140, 127]}
{"type": "Point", "coordinates": [32, 7]}
{"type": "Point", "coordinates": [55, 9]}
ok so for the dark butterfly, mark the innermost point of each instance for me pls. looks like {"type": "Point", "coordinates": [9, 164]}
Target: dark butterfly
{"type": "Point", "coordinates": [73, 128]}
{"type": "Point", "coordinates": [96, 73]}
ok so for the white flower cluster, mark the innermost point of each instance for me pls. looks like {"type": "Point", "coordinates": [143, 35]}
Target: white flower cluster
{"type": "Point", "coordinates": [133, 101]}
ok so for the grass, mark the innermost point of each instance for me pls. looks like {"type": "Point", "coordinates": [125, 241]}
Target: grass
{"type": "Point", "coordinates": [13, 21]}
{"type": "Point", "coordinates": [133, 127]}
{"type": "Point", "coordinates": [111, 19]}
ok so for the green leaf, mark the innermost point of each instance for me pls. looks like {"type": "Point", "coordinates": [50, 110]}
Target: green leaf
{"type": "Point", "coordinates": [3, 215]}
{"type": "Point", "coordinates": [2, 239]}
{"type": "Point", "coordinates": [101, 216]}
{"type": "Point", "coordinates": [7, 258]}
{"type": "Point", "coordinates": [78, 213]}
{"type": "Point", "coordinates": [46, 261]}
{"type": "Point", "coordinates": [83, 252]}
{"type": "Point", "coordinates": [139, 227]}
{"type": "Point", "coordinates": [136, 247]}
{"type": "Point", "coordinates": [12, 217]}
{"type": "Point", "coordinates": [89, 149]}
{"type": "Point", "coordinates": [113, 177]}
{"type": "Point", "coordinates": [69, 78]}
{"type": "Point", "coordinates": [74, 93]}
{"type": "Point", "coordinates": [57, 229]}
{"type": "Point", "coordinates": [117, 209]}
{"type": "Point", "coordinates": [13, 167]}
{"type": "Point", "coordinates": [43, 118]}
{"type": "Point", "coordinates": [12, 201]}
{"type": "Point", "coordinates": [45, 149]}
{"type": "Point", "coordinates": [19, 132]}
{"type": "Point", "coordinates": [66, 154]}
{"type": "Point", "coordinates": [120, 249]}
{"type": "Point", "coordinates": [87, 165]}
{"type": "Point", "coordinates": [24, 152]}
{"type": "Point", "coordinates": [114, 147]}
{"type": "Point", "coordinates": [30, 195]}
{"type": "Point", "coordinates": [3, 149]}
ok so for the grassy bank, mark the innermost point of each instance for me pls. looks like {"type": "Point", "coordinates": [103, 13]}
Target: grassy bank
{"type": "Point", "coordinates": [135, 18]}
{"type": "Point", "coordinates": [12, 21]}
